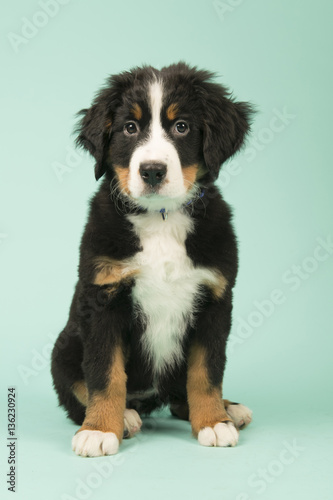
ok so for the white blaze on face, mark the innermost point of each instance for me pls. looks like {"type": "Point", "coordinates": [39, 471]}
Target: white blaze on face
{"type": "Point", "coordinates": [157, 149]}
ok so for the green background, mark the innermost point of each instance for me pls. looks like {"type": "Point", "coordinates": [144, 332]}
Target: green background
{"type": "Point", "coordinates": [277, 54]}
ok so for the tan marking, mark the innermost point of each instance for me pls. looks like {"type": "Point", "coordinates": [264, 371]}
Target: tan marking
{"type": "Point", "coordinates": [172, 111]}
{"type": "Point", "coordinates": [105, 409]}
{"type": "Point", "coordinates": [108, 124]}
{"type": "Point", "coordinates": [192, 173]}
{"type": "Point", "coordinates": [137, 111]}
{"type": "Point", "coordinates": [80, 392]}
{"type": "Point", "coordinates": [123, 177]}
{"type": "Point", "coordinates": [205, 401]}
{"type": "Point", "coordinates": [219, 286]}
{"type": "Point", "coordinates": [110, 271]}
{"type": "Point", "coordinates": [181, 410]}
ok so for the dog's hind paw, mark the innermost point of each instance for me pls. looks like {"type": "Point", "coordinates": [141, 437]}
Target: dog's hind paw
{"type": "Point", "coordinates": [241, 415]}
{"type": "Point", "coordinates": [132, 423]}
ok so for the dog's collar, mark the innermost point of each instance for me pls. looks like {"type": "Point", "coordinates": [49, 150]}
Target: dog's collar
{"type": "Point", "coordinates": [164, 213]}
{"type": "Point", "coordinates": [127, 208]}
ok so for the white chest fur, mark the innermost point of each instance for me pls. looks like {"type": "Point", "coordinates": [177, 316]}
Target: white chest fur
{"type": "Point", "coordinates": [166, 284]}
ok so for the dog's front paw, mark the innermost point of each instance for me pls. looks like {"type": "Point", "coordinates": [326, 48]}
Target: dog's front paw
{"type": "Point", "coordinates": [95, 443]}
{"type": "Point", "coordinates": [222, 434]}
{"type": "Point", "coordinates": [241, 415]}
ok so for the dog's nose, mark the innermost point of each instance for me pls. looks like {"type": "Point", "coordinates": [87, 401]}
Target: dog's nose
{"type": "Point", "coordinates": [153, 173]}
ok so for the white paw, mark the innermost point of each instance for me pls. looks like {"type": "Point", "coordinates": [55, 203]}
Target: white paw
{"type": "Point", "coordinates": [223, 434]}
{"type": "Point", "coordinates": [241, 415]}
{"type": "Point", "coordinates": [95, 443]}
{"type": "Point", "coordinates": [132, 423]}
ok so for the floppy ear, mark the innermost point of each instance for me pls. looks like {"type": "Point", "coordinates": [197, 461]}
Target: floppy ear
{"type": "Point", "coordinates": [226, 124]}
{"type": "Point", "coordinates": [94, 131]}
{"type": "Point", "coordinates": [95, 127]}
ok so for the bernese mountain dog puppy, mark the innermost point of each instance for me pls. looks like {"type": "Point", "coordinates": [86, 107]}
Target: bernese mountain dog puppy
{"type": "Point", "coordinates": [151, 312]}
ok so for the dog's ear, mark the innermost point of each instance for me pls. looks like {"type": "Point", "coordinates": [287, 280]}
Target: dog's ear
{"type": "Point", "coordinates": [95, 126]}
{"type": "Point", "coordinates": [94, 130]}
{"type": "Point", "coordinates": [226, 123]}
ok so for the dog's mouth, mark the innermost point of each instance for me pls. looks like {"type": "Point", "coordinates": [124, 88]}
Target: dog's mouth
{"type": "Point", "coordinates": [157, 201]}
{"type": "Point", "coordinates": [152, 200]}
{"type": "Point", "coordinates": [151, 192]}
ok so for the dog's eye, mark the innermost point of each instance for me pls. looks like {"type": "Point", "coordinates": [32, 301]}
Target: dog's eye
{"type": "Point", "coordinates": [181, 128]}
{"type": "Point", "coordinates": [130, 128]}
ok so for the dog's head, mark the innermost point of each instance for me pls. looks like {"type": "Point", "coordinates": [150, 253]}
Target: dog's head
{"type": "Point", "coordinates": [160, 134]}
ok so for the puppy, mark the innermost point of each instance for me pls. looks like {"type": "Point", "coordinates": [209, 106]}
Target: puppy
{"type": "Point", "coordinates": [151, 312]}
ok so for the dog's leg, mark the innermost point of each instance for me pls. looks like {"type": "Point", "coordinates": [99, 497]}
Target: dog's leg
{"type": "Point", "coordinates": [66, 371]}
{"type": "Point", "coordinates": [211, 423]}
{"type": "Point", "coordinates": [239, 414]}
{"type": "Point", "coordinates": [105, 314]}
{"type": "Point", "coordinates": [180, 410]}
{"type": "Point", "coordinates": [103, 426]}
{"type": "Point", "coordinates": [132, 420]}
